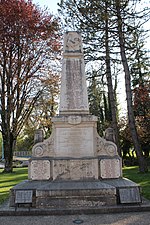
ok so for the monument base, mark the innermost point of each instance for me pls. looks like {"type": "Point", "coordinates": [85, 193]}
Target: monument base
{"type": "Point", "coordinates": [85, 168]}
{"type": "Point", "coordinates": [78, 194]}
{"type": "Point", "coordinates": [75, 194]}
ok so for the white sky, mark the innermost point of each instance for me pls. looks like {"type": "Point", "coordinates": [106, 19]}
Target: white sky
{"type": "Point", "coordinates": [51, 4]}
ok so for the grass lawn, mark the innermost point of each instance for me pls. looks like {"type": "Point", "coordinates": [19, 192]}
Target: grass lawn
{"type": "Point", "coordinates": [142, 179]}
{"type": "Point", "coordinates": [7, 181]}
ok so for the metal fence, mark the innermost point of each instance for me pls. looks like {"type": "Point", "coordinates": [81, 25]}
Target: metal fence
{"type": "Point", "coordinates": [22, 153]}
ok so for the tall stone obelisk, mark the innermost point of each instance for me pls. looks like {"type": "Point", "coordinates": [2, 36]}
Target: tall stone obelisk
{"type": "Point", "coordinates": [73, 98]}
{"type": "Point", "coordinates": [74, 168]}
{"type": "Point", "coordinates": [74, 143]}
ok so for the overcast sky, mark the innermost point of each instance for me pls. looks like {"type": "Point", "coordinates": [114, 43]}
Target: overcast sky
{"type": "Point", "coordinates": [51, 4]}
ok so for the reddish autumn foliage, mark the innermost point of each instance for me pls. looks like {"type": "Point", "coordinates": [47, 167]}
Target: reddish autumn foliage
{"type": "Point", "coordinates": [28, 38]}
{"type": "Point", "coordinates": [142, 115]}
{"type": "Point", "coordinates": [141, 100]}
{"type": "Point", "coordinates": [22, 20]}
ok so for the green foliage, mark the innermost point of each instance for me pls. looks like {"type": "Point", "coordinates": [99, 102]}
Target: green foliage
{"type": "Point", "coordinates": [47, 105]}
{"type": "Point", "coordinates": [25, 144]}
{"type": "Point", "coordinates": [9, 180]}
{"type": "Point", "coordinates": [25, 139]}
{"type": "Point", "coordinates": [98, 100]}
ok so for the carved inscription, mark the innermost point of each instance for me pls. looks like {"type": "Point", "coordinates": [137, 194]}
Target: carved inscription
{"type": "Point", "coordinates": [73, 96]}
{"type": "Point", "coordinates": [74, 120]}
{"type": "Point", "coordinates": [110, 168]}
{"type": "Point", "coordinates": [72, 42]}
{"type": "Point", "coordinates": [75, 169]}
{"type": "Point", "coordinates": [75, 87]}
{"type": "Point", "coordinates": [40, 170]}
{"type": "Point", "coordinates": [24, 196]}
{"type": "Point", "coordinates": [74, 142]}
{"type": "Point", "coordinates": [129, 195]}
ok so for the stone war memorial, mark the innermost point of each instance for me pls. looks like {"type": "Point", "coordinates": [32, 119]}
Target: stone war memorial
{"type": "Point", "coordinates": [74, 168]}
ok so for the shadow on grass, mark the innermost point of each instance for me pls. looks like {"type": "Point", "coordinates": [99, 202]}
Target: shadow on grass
{"type": "Point", "coordinates": [9, 180]}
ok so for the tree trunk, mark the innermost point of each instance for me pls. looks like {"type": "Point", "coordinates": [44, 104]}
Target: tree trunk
{"type": "Point", "coordinates": [8, 152]}
{"type": "Point", "coordinates": [111, 95]}
{"type": "Point", "coordinates": [142, 163]}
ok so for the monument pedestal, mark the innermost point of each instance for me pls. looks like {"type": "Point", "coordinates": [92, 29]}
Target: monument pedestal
{"type": "Point", "coordinates": [75, 168]}
{"type": "Point", "coordinates": [77, 194]}
{"type": "Point", "coordinates": [74, 152]}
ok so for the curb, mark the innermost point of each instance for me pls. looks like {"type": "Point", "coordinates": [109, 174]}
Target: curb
{"type": "Point", "coordinates": [48, 212]}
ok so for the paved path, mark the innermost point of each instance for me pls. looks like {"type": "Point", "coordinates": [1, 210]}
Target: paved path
{"type": "Point", "coordinates": [142, 218]}
{"type": "Point", "coordinates": [1, 165]}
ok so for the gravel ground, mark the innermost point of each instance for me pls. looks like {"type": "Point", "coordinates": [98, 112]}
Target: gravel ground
{"type": "Point", "coordinates": [140, 218]}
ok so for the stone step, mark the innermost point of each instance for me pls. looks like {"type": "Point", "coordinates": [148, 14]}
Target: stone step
{"type": "Point", "coordinates": [77, 202]}
{"type": "Point", "coordinates": [75, 194]}
{"type": "Point", "coordinates": [53, 194]}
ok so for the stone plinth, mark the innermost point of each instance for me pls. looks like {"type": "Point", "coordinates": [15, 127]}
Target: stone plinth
{"type": "Point", "coordinates": [74, 136]}
{"type": "Point", "coordinates": [79, 194]}
{"type": "Point", "coordinates": [75, 195]}
{"type": "Point", "coordinates": [128, 192]}
{"type": "Point", "coordinates": [67, 194]}
{"type": "Point", "coordinates": [75, 169]}
{"type": "Point", "coordinates": [67, 168]}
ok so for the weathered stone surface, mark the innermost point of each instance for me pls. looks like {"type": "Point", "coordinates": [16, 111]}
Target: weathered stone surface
{"type": "Point", "coordinates": [23, 196]}
{"type": "Point", "coordinates": [129, 195]}
{"type": "Point", "coordinates": [73, 98]}
{"type": "Point", "coordinates": [75, 169]}
{"type": "Point", "coordinates": [74, 119]}
{"type": "Point", "coordinates": [68, 188]}
{"type": "Point", "coordinates": [74, 132]}
{"type": "Point", "coordinates": [121, 183]}
{"type": "Point", "coordinates": [72, 43]}
{"type": "Point", "coordinates": [38, 136]}
{"type": "Point", "coordinates": [110, 168]}
{"type": "Point", "coordinates": [76, 202]}
{"type": "Point", "coordinates": [39, 170]}
{"type": "Point", "coordinates": [74, 136]}
{"type": "Point", "coordinates": [74, 142]}
{"type": "Point", "coordinates": [128, 192]}
{"type": "Point", "coordinates": [109, 134]}
{"type": "Point", "coordinates": [105, 148]}
{"type": "Point", "coordinates": [53, 194]}
{"type": "Point", "coordinates": [45, 148]}
{"type": "Point", "coordinates": [25, 186]}
{"type": "Point", "coordinates": [75, 194]}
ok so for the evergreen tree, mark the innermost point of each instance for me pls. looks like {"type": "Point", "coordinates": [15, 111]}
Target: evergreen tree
{"type": "Point", "coordinates": [107, 28]}
{"type": "Point", "coordinates": [120, 24]}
